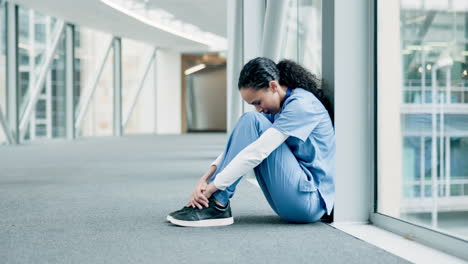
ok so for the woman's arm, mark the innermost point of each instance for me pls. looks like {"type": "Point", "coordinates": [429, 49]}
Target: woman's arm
{"type": "Point", "coordinates": [249, 157]}
{"type": "Point", "coordinates": [202, 190]}
{"type": "Point", "coordinates": [245, 160]}
{"type": "Point", "coordinates": [211, 170]}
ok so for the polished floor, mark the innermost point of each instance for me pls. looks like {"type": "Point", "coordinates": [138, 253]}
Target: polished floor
{"type": "Point", "coordinates": [104, 200]}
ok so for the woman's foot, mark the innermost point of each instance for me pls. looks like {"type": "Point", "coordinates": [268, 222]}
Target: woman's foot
{"type": "Point", "coordinates": [213, 215]}
{"type": "Point", "coordinates": [185, 209]}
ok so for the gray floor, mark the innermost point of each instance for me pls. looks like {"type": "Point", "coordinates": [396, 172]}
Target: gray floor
{"type": "Point", "coordinates": [104, 200]}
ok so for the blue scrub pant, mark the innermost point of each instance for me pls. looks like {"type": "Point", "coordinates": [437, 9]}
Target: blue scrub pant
{"type": "Point", "coordinates": [278, 175]}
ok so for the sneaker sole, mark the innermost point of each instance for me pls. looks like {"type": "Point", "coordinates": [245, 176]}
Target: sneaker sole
{"type": "Point", "coordinates": [201, 223]}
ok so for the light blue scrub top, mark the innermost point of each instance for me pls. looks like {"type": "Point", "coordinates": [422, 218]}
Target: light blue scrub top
{"type": "Point", "coordinates": [311, 139]}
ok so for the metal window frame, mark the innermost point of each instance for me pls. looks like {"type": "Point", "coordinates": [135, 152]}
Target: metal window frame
{"type": "Point", "coordinates": [117, 113]}
{"type": "Point", "coordinates": [3, 121]}
{"type": "Point", "coordinates": [70, 81]}
{"type": "Point", "coordinates": [430, 237]}
{"type": "Point", "coordinates": [12, 98]}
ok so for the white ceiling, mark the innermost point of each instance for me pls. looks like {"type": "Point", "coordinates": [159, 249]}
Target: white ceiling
{"type": "Point", "coordinates": [208, 15]}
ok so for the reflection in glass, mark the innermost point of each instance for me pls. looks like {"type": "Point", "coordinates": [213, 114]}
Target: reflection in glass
{"type": "Point", "coordinates": [303, 37]}
{"type": "Point", "coordinates": [434, 117]}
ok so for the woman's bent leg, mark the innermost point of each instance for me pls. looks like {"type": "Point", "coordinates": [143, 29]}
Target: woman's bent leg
{"type": "Point", "coordinates": [248, 129]}
{"type": "Point", "coordinates": [279, 175]}
{"type": "Point", "coordinates": [284, 180]}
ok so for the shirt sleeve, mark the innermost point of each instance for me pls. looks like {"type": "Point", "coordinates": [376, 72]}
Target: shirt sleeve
{"type": "Point", "coordinates": [249, 158]}
{"type": "Point", "coordinates": [298, 119]}
{"type": "Point", "coordinates": [217, 161]}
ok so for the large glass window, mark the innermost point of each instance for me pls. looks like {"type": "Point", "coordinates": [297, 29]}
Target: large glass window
{"type": "Point", "coordinates": [2, 64]}
{"type": "Point", "coordinates": [135, 58]}
{"type": "Point", "coordinates": [423, 114]}
{"type": "Point", "coordinates": [303, 37]}
{"type": "Point", "coordinates": [90, 47]}
{"type": "Point", "coordinates": [36, 32]}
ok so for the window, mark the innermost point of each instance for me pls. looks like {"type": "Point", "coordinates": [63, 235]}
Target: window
{"type": "Point", "coordinates": [422, 114]}
{"type": "Point", "coordinates": [303, 37]}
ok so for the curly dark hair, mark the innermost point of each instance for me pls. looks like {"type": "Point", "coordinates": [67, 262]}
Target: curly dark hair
{"type": "Point", "coordinates": [258, 72]}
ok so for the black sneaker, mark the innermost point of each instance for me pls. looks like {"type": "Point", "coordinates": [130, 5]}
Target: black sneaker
{"type": "Point", "coordinates": [328, 218]}
{"type": "Point", "coordinates": [213, 215]}
{"type": "Point", "coordinates": [181, 211]}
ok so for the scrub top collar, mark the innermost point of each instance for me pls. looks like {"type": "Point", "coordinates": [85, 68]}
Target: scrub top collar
{"type": "Point", "coordinates": [288, 93]}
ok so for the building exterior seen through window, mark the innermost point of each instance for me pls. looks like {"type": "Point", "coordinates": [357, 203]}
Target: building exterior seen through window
{"type": "Point", "coordinates": [428, 184]}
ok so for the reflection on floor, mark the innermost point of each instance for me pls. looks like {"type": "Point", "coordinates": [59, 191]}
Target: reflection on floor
{"type": "Point", "coordinates": [455, 223]}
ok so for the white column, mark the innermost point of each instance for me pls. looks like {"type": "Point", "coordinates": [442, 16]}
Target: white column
{"type": "Point", "coordinates": [168, 92]}
{"type": "Point", "coordinates": [353, 98]}
{"type": "Point", "coordinates": [254, 13]}
{"type": "Point", "coordinates": [234, 60]}
{"type": "Point", "coordinates": [390, 82]}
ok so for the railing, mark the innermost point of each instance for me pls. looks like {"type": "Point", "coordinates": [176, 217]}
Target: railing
{"type": "Point", "coordinates": [417, 196]}
{"type": "Point", "coordinates": [423, 188]}
{"type": "Point", "coordinates": [415, 93]}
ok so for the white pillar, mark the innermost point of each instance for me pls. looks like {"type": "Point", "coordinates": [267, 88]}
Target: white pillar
{"type": "Point", "coordinates": [254, 13]}
{"type": "Point", "coordinates": [168, 92]}
{"type": "Point", "coordinates": [234, 61]}
{"type": "Point", "coordinates": [353, 98]}
{"type": "Point", "coordinates": [390, 81]}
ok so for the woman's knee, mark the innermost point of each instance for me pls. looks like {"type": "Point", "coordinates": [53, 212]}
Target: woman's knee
{"type": "Point", "coordinates": [255, 119]}
{"type": "Point", "coordinates": [251, 116]}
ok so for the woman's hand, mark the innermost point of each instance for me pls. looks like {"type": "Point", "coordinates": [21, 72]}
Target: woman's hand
{"type": "Point", "coordinates": [197, 198]}
{"type": "Point", "coordinates": [200, 195]}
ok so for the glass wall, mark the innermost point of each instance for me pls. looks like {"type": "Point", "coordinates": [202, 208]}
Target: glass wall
{"type": "Point", "coordinates": [135, 58]}
{"type": "Point", "coordinates": [90, 48]}
{"type": "Point", "coordinates": [423, 115]}
{"type": "Point", "coordinates": [303, 37]}
{"type": "Point", "coordinates": [36, 32]}
{"type": "Point", "coordinates": [2, 64]}
{"type": "Point", "coordinates": [93, 79]}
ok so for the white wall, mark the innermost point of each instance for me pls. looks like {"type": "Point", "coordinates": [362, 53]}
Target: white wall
{"type": "Point", "coordinates": [168, 92]}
